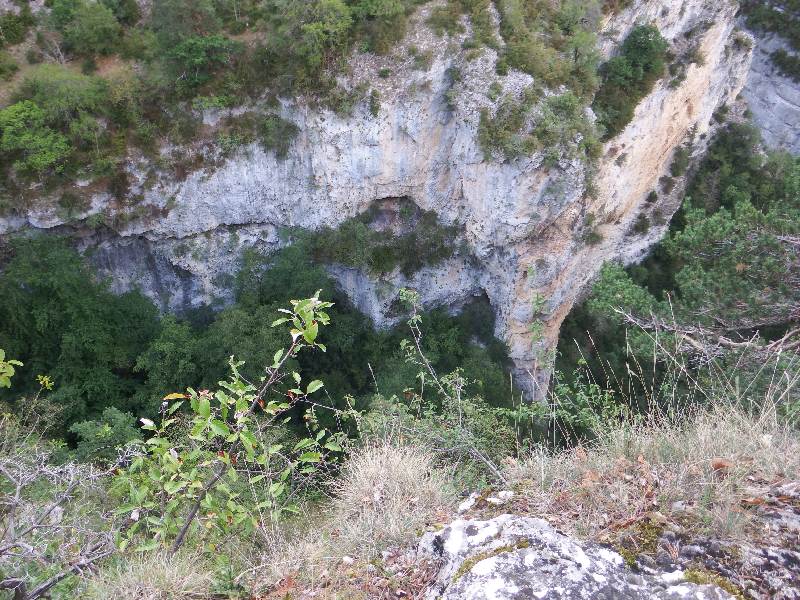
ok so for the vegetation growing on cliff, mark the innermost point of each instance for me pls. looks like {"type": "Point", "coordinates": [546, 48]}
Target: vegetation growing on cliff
{"type": "Point", "coordinates": [628, 77]}
{"type": "Point", "coordinates": [558, 126]}
{"type": "Point", "coordinates": [125, 78]}
{"type": "Point", "coordinates": [140, 69]}
{"type": "Point", "coordinates": [781, 17]}
{"type": "Point", "coordinates": [725, 278]}
{"type": "Point", "coordinates": [423, 241]}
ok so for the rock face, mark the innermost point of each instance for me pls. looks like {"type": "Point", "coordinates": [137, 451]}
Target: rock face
{"type": "Point", "coordinates": [516, 558]}
{"type": "Point", "coordinates": [773, 99]}
{"type": "Point", "coordinates": [523, 220]}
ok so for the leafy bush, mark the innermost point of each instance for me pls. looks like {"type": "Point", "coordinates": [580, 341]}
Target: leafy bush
{"type": "Point", "coordinates": [779, 17]}
{"type": "Point", "coordinates": [560, 127]}
{"type": "Point", "coordinates": [788, 64]}
{"type": "Point", "coordinates": [507, 131]}
{"type": "Point", "coordinates": [62, 94]}
{"type": "Point", "coordinates": [446, 19]}
{"type": "Point", "coordinates": [628, 77]}
{"type": "Point", "coordinates": [354, 243]}
{"type": "Point", "coordinates": [680, 161]}
{"type": "Point", "coordinates": [92, 30]}
{"type": "Point", "coordinates": [276, 134]}
{"type": "Point", "coordinates": [196, 58]}
{"type": "Point", "coordinates": [175, 20]}
{"type": "Point", "coordinates": [227, 434]}
{"type": "Point", "coordinates": [98, 441]}
{"type": "Point", "coordinates": [8, 66]}
{"type": "Point", "coordinates": [14, 27]}
{"type": "Point", "coordinates": [26, 140]}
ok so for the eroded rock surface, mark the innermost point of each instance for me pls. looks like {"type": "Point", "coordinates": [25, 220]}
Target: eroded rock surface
{"type": "Point", "coordinates": [515, 558]}
{"type": "Point", "coordinates": [523, 221]}
{"type": "Point", "coordinates": [773, 98]}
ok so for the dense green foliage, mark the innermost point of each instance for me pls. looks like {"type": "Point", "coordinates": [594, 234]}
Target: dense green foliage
{"type": "Point", "coordinates": [628, 77]}
{"type": "Point", "coordinates": [105, 350]}
{"type": "Point", "coordinates": [14, 26]}
{"type": "Point", "coordinates": [558, 126]}
{"type": "Point", "coordinates": [355, 244]}
{"type": "Point", "coordinates": [84, 336]}
{"type": "Point", "coordinates": [727, 271]}
{"type": "Point", "coordinates": [180, 51]}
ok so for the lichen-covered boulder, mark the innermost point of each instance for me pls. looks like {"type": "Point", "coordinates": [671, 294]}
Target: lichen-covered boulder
{"type": "Point", "coordinates": [515, 558]}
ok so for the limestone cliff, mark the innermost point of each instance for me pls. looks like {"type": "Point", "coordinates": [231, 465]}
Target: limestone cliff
{"type": "Point", "coordinates": [522, 220]}
{"type": "Point", "coordinates": [773, 99]}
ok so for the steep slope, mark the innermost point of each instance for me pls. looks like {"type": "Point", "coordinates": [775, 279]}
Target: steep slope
{"type": "Point", "coordinates": [773, 98]}
{"type": "Point", "coordinates": [524, 222]}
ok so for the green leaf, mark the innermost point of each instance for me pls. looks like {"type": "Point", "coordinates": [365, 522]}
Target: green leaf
{"type": "Point", "coordinates": [310, 332]}
{"type": "Point", "coordinates": [148, 546]}
{"type": "Point", "coordinates": [277, 488]}
{"type": "Point", "coordinates": [174, 407]}
{"type": "Point", "coordinates": [304, 443]}
{"type": "Point", "coordinates": [219, 428]}
{"type": "Point", "coordinates": [313, 386]}
{"type": "Point", "coordinates": [310, 457]}
{"type": "Point", "coordinates": [277, 358]}
{"type": "Point", "coordinates": [172, 487]}
{"type": "Point", "coordinates": [204, 407]}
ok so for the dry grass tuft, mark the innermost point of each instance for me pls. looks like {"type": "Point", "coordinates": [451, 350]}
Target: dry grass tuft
{"type": "Point", "coordinates": [703, 469]}
{"type": "Point", "coordinates": [153, 576]}
{"type": "Point", "coordinates": [386, 496]}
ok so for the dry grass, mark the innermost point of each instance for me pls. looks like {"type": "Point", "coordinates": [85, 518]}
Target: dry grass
{"type": "Point", "coordinates": [153, 576]}
{"type": "Point", "coordinates": [703, 469]}
{"type": "Point", "coordinates": [386, 496]}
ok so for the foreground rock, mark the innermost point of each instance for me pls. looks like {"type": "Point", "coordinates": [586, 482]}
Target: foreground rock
{"type": "Point", "coordinates": [764, 565]}
{"type": "Point", "coordinates": [515, 558]}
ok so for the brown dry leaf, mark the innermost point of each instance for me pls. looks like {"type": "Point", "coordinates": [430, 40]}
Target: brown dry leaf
{"type": "Point", "coordinates": [721, 466]}
{"type": "Point", "coordinates": [753, 501]}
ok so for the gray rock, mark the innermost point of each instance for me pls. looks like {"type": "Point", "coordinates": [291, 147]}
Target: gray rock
{"type": "Point", "coordinates": [514, 558]}
{"type": "Point", "coordinates": [773, 99]}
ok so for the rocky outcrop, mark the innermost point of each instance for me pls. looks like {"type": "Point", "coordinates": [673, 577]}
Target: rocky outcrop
{"type": "Point", "coordinates": [516, 558]}
{"type": "Point", "coordinates": [523, 220]}
{"type": "Point", "coordinates": [773, 99]}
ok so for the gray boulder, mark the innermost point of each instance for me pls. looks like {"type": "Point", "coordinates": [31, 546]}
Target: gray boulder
{"type": "Point", "coordinates": [514, 558]}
